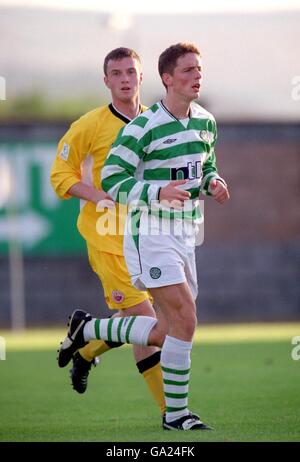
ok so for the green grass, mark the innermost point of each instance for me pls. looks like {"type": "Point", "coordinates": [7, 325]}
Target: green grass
{"type": "Point", "coordinates": [247, 389]}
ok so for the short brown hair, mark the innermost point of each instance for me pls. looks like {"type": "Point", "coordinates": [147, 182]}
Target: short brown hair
{"type": "Point", "coordinates": [120, 53]}
{"type": "Point", "coordinates": [168, 58]}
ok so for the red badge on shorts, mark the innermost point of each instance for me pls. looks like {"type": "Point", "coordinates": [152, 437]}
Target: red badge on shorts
{"type": "Point", "coordinates": [118, 296]}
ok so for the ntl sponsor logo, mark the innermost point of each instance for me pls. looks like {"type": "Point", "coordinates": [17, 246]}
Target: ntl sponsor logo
{"type": "Point", "coordinates": [190, 172]}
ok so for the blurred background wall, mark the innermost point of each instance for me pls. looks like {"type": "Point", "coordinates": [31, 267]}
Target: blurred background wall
{"type": "Point", "coordinates": [51, 69]}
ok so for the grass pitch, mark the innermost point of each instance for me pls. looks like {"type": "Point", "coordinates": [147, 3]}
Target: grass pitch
{"type": "Point", "coordinates": [243, 382]}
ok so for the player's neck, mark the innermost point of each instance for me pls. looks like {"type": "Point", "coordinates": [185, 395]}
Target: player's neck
{"type": "Point", "coordinates": [130, 109]}
{"type": "Point", "coordinates": [177, 107]}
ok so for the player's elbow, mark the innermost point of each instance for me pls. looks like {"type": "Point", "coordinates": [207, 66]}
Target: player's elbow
{"type": "Point", "coordinates": [60, 185]}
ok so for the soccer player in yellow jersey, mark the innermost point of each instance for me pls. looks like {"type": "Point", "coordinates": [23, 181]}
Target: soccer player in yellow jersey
{"type": "Point", "coordinates": [76, 172]}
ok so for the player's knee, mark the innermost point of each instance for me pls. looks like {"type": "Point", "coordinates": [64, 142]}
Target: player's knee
{"type": "Point", "coordinates": [186, 320]}
{"type": "Point", "coordinates": [191, 325]}
{"type": "Point", "coordinates": [141, 309]}
{"type": "Point", "coordinates": [157, 336]}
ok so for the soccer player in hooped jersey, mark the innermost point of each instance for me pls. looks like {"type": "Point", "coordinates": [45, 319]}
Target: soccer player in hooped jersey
{"type": "Point", "coordinates": [173, 140]}
{"type": "Point", "coordinates": [76, 172]}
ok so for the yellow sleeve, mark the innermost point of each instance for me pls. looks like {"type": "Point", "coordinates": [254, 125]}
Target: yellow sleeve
{"type": "Point", "coordinates": [72, 150]}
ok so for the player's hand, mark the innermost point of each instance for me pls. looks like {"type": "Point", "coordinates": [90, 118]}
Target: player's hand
{"type": "Point", "coordinates": [90, 193]}
{"type": "Point", "coordinates": [100, 195]}
{"type": "Point", "coordinates": [219, 191]}
{"type": "Point", "coordinates": [102, 200]}
{"type": "Point", "coordinates": [172, 196]}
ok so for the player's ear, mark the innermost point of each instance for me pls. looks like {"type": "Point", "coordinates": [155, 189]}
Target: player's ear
{"type": "Point", "coordinates": [106, 81]}
{"type": "Point", "coordinates": [167, 79]}
{"type": "Point", "coordinates": [141, 77]}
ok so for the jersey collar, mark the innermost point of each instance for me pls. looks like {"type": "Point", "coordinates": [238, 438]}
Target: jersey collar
{"type": "Point", "coordinates": [120, 115]}
{"type": "Point", "coordinates": [170, 113]}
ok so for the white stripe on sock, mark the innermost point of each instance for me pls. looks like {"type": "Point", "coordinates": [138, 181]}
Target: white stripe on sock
{"type": "Point", "coordinates": [138, 335]}
{"type": "Point", "coordinates": [175, 355]}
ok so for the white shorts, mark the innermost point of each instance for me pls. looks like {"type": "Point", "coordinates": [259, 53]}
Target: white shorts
{"type": "Point", "coordinates": [162, 254]}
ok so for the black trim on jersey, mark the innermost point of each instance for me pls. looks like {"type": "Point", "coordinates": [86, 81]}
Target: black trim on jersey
{"type": "Point", "coordinates": [121, 116]}
{"type": "Point", "coordinates": [170, 113]}
{"type": "Point", "coordinates": [149, 362]}
{"type": "Point", "coordinates": [118, 114]}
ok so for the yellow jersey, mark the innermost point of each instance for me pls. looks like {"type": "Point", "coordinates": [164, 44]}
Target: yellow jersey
{"type": "Point", "coordinates": [80, 156]}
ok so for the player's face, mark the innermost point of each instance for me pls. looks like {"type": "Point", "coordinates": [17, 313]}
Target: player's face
{"type": "Point", "coordinates": [187, 77]}
{"type": "Point", "coordinates": [123, 78]}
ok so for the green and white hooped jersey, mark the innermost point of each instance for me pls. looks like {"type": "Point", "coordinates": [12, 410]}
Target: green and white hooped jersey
{"type": "Point", "coordinates": [156, 148]}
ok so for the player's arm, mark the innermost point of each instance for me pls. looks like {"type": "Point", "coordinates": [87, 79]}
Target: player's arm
{"type": "Point", "coordinates": [66, 168]}
{"type": "Point", "coordinates": [212, 183]}
{"type": "Point", "coordinates": [119, 170]}
{"type": "Point", "coordinates": [87, 192]}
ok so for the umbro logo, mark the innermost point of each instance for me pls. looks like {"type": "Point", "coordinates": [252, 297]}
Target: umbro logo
{"type": "Point", "coordinates": [170, 140]}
